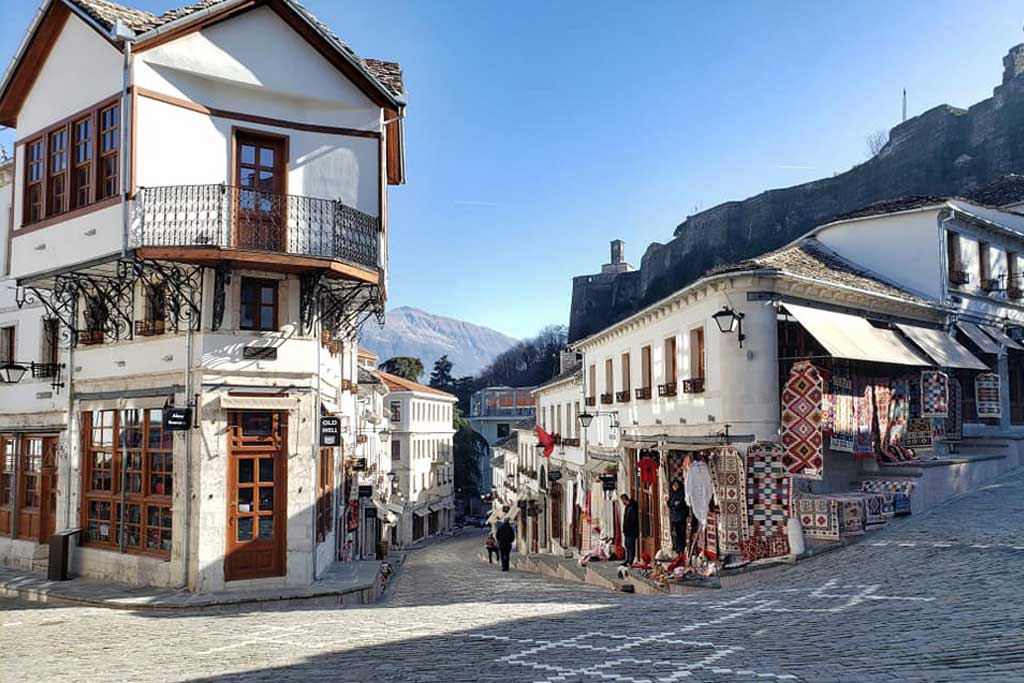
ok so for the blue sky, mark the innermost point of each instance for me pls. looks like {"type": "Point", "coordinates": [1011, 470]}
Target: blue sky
{"type": "Point", "coordinates": [539, 131]}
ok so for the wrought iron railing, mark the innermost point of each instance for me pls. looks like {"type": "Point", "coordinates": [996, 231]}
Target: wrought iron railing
{"type": "Point", "coordinates": [244, 218]}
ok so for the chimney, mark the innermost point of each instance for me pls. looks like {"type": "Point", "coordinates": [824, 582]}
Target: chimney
{"type": "Point", "coordinates": [618, 252]}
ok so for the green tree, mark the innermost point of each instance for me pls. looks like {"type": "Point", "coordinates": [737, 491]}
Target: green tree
{"type": "Point", "coordinates": [441, 377]}
{"type": "Point", "coordinates": [403, 366]}
{"type": "Point", "coordinates": [468, 448]}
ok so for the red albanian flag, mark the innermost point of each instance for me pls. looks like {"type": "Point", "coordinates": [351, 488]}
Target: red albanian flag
{"type": "Point", "coordinates": [546, 441]}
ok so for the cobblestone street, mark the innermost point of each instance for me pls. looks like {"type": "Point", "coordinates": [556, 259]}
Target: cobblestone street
{"type": "Point", "coordinates": [933, 598]}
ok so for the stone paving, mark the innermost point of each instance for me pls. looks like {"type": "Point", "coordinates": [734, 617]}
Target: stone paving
{"type": "Point", "coordinates": [936, 598]}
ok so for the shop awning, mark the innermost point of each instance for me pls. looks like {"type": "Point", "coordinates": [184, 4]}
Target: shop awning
{"type": "Point", "coordinates": [230, 402]}
{"type": "Point", "coordinates": [942, 348]}
{"type": "Point", "coordinates": [422, 512]}
{"type": "Point", "coordinates": [1001, 337]}
{"type": "Point", "coordinates": [853, 337]}
{"type": "Point", "coordinates": [982, 340]}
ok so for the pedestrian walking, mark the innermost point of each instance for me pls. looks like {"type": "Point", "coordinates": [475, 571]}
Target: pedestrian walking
{"type": "Point", "coordinates": [678, 514]}
{"type": "Point", "coordinates": [504, 536]}
{"type": "Point", "coordinates": [492, 548]}
{"type": "Point", "coordinates": [630, 527]}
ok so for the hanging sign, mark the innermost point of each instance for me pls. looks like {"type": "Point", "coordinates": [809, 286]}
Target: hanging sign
{"type": "Point", "coordinates": [177, 419]}
{"type": "Point", "coordinates": [608, 482]}
{"type": "Point", "coordinates": [330, 431]}
{"type": "Point", "coordinates": [554, 475]}
{"type": "Point", "coordinates": [371, 513]}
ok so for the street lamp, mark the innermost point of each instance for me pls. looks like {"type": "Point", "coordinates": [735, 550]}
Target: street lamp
{"type": "Point", "coordinates": [12, 373]}
{"type": "Point", "coordinates": [585, 419]}
{"type": "Point", "coordinates": [729, 321]}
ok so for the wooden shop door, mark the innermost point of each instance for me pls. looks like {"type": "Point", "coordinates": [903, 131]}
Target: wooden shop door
{"type": "Point", "coordinates": [650, 515]}
{"type": "Point", "coordinates": [257, 504]}
{"type": "Point", "coordinates": [37, 489]}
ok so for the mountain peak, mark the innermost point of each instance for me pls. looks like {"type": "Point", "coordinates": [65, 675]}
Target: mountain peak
{"type": "Point", "coordinates": [410, 331]}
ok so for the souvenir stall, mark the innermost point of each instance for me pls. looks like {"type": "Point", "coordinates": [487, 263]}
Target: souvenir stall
{"type": "Point", "coordinates": [732, 507]}
{"type": "Point", "coordinates": [859, 399]}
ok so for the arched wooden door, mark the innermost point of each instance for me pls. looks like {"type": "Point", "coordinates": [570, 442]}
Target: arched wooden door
{"type": "Point", "coordinates": [257, 504]}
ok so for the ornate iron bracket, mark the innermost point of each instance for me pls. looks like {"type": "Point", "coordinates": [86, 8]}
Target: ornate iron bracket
{"type": "Point", "coordinates": [221, 280]}
{"type": "Point", "coordinates": [182, 288]}
{"type": "Point", "coordinates": [61, 304]}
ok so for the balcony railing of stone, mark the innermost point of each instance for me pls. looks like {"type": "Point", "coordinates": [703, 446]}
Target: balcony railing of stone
{"type": "Point", "coordinates": [245, 218]}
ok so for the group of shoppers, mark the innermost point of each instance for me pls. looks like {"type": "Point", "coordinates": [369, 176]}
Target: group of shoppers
{"type": "Point", "coordinates": [500, 542]}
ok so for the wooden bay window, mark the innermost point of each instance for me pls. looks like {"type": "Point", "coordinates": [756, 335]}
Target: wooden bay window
{"type": "Point", "coordinates": [82, 191]}
{"type": "Point", "coordinates": [73, 164]}
{"type": "Point", "coordinates": [109, 147]}
{"type": "Point", "coordinates": [129, 453]}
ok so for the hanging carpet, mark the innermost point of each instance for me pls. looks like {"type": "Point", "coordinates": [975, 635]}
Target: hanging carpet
{"type": "Point", "coordinates": [953, 426]}
{"type": "Point", "coordinates": [844, 418]}
{"type": "Point", "coordinates": [768, 490]}
{"type": "Point", "coordinates": [801, 421]}
{"type": "Point", "coordinates": [986, 393]}
{"type": "Point", "coordinates": [919, 433]}
{"type": "Point", "coordinates": [728, 473]}
{"type": "Point", "coordinates": [864, 416]}
{"type": "Point", "coordinates": [934, 394]}
{"type": "Point", "coordinates": [819, 516]}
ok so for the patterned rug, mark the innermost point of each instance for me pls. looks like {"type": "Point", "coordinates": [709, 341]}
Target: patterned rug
{"type": "Point", "coordinates": [913, 395]}
{"type": "Point", "coordinates": [874, 504]}
{"type": "Point", "coordinates": [900, 491]}
{"type": "Point", "coordinates": [934, 394]}
{"type": "Point", "coordinates": [919, 433]}
{"type": "Point", "coordinates": [844, 415]}
{"type": "Point", "coordinates": [864, 415]}
{"type": "Point", "coordinates": [883, 404]}
{"type": "Point", "coordinates": [801, 421]}
{"type": "Point", "coordinates": [851, 515]}
{"type": "Point", "coordinates": [819, 516]}
{"type": "Point", "coordinates": [954, 423]}
{"type": "Point", "coordinates": [768, 491]}
{"type": "Point", "coordinates": [727, 472]}
{"type": "Point", "coordinates": [986, 393]}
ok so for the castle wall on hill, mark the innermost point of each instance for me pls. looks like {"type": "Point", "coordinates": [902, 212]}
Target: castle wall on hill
{"type": "Point", "coordinates": [944, 151]}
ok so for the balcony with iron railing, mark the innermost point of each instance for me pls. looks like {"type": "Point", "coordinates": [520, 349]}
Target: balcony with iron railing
{"type": "Point", "coordinates": [201, 218]}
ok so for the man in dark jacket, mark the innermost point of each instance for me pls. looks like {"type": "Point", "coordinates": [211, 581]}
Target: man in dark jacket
{"type": "Point", "coordinates": [630, 527]}
{"type": "Point", "coordinates": [505, 535]}
{"type": "Point", "coordinates": [678, 514]}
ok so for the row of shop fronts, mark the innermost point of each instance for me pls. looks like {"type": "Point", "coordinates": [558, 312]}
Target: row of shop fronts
{"type": "Point", "coordinates": [799, 397]}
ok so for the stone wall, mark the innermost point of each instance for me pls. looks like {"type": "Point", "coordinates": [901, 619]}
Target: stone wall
{"type": "Point", "coordinates": [944, 151]}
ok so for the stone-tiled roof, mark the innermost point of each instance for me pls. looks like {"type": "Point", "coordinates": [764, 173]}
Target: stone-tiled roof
{"type": "Point", "coordinates": [388, 73]}
{"type": "Point", "coordinates": [106, 13]}
{"type": "Point", "coordinates": [890, 206]}
{"type": "Point", "coordinates": [811, 259]}
{"type": "Point", "coordinates": [560, 378]}
{"type": "Point", "coordinates": [367, 376]}
{"type": "Point", "coordinates": [509, 443]}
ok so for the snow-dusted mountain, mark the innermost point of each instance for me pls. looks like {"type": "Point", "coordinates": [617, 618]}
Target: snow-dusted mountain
{"type": "Point", "coordinates": [412, 332]}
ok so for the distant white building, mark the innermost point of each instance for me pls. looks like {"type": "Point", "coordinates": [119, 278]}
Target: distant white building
{"type": "Point", "coordinates": [421, 458]}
